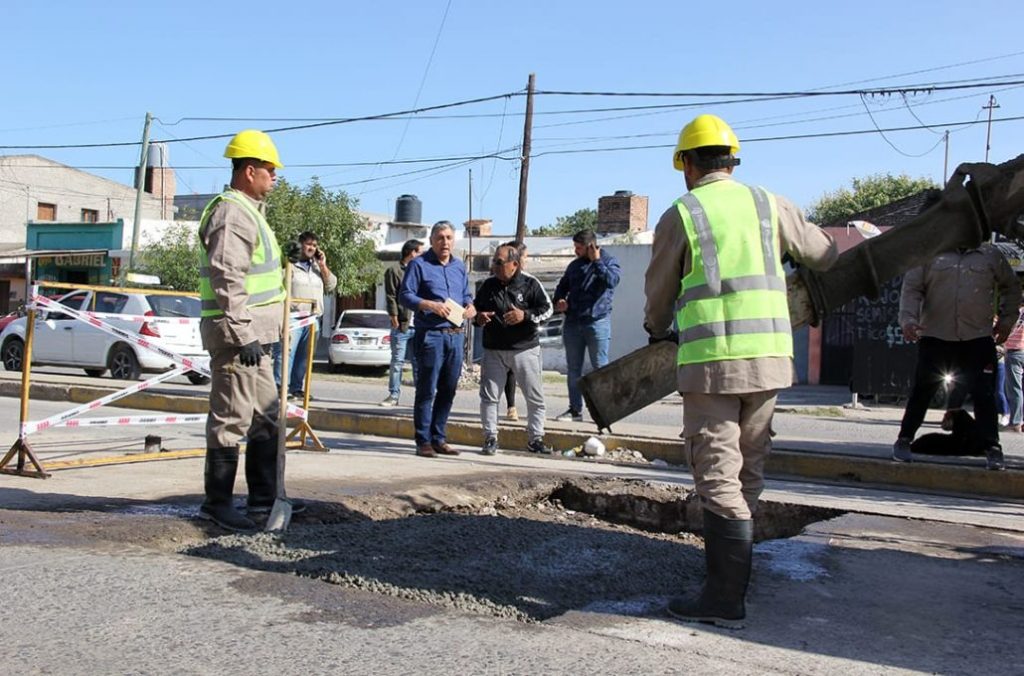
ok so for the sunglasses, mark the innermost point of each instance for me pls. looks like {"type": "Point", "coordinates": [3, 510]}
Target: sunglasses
{"type": "Point", "coordinates": [499, 261]}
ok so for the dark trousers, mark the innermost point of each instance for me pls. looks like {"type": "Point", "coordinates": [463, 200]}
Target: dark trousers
{"type": "Point", "coordinates": [439, 355]}
{"type": "Point", "coordinates": [972, 364]}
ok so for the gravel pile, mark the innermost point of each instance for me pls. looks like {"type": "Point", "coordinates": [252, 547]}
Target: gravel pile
{"type": "Point", "coordinates": [516, 557]}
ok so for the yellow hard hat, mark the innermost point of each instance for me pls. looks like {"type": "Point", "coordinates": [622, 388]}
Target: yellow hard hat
{"type": "Point", "coordinates": [702, 131]}
{"type": "Point", "coordinates": [253, 143]}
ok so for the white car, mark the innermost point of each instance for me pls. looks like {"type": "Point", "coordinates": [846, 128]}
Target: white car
{"type": "Point", "coordinates": [60, 340]}
{"type": "Point", "coordinates": [361, 338]}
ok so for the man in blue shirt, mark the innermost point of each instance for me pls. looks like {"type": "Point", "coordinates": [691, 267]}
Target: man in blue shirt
{"type": "Point", "coordinates": [429, 281]}
{"type": "Point", "coordinates": [584, 294]}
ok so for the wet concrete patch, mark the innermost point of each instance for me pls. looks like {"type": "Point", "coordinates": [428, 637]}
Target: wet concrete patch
{"type": "Point", "coordinates": [527, 551]}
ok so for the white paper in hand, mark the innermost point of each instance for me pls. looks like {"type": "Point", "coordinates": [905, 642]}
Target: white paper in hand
{"type": "Point", "coordinates": [455, 311]}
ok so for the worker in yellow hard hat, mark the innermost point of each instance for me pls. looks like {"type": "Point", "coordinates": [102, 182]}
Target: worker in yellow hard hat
{"type": "Point", "coordinates": [715, 285]}
{"type": "Point", "coordinates": [241, 292]}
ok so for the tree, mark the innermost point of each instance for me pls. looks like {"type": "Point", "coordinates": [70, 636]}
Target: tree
{"type": "Point", "coordinates": [867, 193]}
{"type": "Point", "coordinates": [290, 211]}
{"type": "Point", "coordinates": [569, 225]}
{"type": "Point", "coordinates": [174, 259]}
{"type": "Point", "coordinates": [341, 231]}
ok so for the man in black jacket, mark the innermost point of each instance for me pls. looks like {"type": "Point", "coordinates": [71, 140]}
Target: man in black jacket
{"type": "Point", "coordinates": [401, 323]}
{"type": "Point", "coordinates": [506, 304]}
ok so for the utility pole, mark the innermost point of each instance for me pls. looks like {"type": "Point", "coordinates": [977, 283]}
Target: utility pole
{"type": "Point", "coordinates": [524, 170]}
{"type": "Point", "coordinates": [988, 133]}
{"type": "Point", "coordinates": [945, 162]}
{"type": "Point", "coordinates": [467, 357]}
{"type": "Point", "coordinates": [141, 178]}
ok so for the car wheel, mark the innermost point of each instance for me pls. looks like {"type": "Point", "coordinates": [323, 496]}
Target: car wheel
{"type": "Point", "coordinates": [12, 354]}
{"type": "Point", "coordinates": [95, 373]}
{"type": "Point", "coordinates": [197, 378]}
{"type": "Point", "coordinates": [123, 363]}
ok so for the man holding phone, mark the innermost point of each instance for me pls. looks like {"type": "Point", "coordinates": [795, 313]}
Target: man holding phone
{"type": "Point", "coordinates": [584, 294]}
{"type": "Point", "coordinates": [311, 279]}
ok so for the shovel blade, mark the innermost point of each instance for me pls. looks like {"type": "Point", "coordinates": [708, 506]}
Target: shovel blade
{"type": "Point", "coordinates": [280, 516]}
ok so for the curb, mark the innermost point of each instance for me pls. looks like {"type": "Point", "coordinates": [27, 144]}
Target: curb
{"type": "Point", "coordinates": [781, 464]}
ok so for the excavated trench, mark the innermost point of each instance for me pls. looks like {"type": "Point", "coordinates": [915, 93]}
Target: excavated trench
{"type": "Point", "coordinates": [528, 549]}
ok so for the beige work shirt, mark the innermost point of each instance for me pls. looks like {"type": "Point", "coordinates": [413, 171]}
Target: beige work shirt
{"type": "Point", "coordinates": [229, 238]}
{"type": "Point", "coordinates": [954, 297]}
{"type": "Point", "coordinates": [670, 262]}
{"type": "Point", "coordinates": [310, 283]}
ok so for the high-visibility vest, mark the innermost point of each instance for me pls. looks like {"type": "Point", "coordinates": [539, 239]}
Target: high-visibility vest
{"type": "Point", "coordinates": [732, 304]}
{"type": "Point", "coordinates": [263, 282]}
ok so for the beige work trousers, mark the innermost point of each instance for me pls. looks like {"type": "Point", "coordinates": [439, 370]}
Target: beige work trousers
{"type": "Point", "coordinates": [243, 399]}
{"type": "Point", "coordinates": [727, 438]}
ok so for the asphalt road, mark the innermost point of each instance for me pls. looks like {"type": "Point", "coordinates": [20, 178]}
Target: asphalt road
{"type": "Point", "coordinates": [97, 583]}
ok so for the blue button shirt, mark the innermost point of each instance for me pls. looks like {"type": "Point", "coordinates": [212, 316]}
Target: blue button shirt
{"type": "Point", "coordinates": [589, 287]}
{"type": "Point", "coordinates": [426, 279]}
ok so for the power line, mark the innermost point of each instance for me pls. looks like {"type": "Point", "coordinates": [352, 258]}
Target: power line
{"type": "Point", "coordinates": [313, 125]}
{"type": "Point", "coordinates": [853, 132]}
{"type": "Point", "coordinates": [924, 88]}
{"type": "Point", "coordinates": [317, 165]}
{"type": "Point", "coordinates": [423, 79]}
{"type": "Point", "coordinates": [731, 98]}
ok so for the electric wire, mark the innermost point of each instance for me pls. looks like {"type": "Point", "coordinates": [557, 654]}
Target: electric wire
{"type": "Point", "coordinates": [314, 125]}
{"type": "Point", "coordinates": [973, 83]}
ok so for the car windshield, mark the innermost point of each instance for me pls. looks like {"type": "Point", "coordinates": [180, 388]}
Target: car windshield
{"type": "Point", "coordinates": [174, 306]}
{"type": "Point", "coordinates": [364, 320]}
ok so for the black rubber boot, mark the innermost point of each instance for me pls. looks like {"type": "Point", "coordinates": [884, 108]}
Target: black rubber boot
{"type": "Point", "coordinates": [221, 466]}
{"type": "Point", "coordinates": [728, 547]}
{"type": "Point", "coordinates": [261, 475]}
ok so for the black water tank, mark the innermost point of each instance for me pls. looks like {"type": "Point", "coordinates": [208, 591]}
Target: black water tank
{"type": "Point", "coordinates": [408, 209]}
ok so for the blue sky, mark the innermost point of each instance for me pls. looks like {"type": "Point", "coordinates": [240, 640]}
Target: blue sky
{"type": "Point", "coordinates": [85, 73]}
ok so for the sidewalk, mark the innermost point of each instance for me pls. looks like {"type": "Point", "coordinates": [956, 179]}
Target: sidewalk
{"type": "Point", "coordinates": [817, 438]}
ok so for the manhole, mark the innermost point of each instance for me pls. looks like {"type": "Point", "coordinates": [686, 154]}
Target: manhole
{"type": "Point", "coordinates": [530, 554]}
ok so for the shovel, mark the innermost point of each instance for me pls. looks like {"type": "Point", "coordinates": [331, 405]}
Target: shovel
{"type": "Point", "coordinates": [281, 514]}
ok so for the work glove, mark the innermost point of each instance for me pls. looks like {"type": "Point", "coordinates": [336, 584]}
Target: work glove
{"type": "Point", "coordinates": [250, 354]}
{"type": "Point", "coordinates": [293, 252]}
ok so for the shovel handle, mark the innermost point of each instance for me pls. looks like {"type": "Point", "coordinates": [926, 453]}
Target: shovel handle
{"type": "Point", "coordinates": [282, 413]}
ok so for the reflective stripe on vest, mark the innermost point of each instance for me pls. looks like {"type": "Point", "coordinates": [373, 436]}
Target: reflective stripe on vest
{"type": "Point", "coordinates": [732, 304]}
{"type": "Point", "coordinates": [263, 283]}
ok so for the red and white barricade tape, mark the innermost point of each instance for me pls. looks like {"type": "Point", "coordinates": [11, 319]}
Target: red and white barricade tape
{"type": "Point", "coordinates": [63, 418]}
{"type": "Point", "coordinates": [297, 320]}
{"type": "Point", "coordinates": [136, 420]}
{"type": "Point", "coordinates": [185, 364]}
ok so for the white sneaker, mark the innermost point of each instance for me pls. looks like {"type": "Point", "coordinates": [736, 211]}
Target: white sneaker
{"type": "Point", "coordinates": [570, 415]}
{"type": "Point", "coordinates": [390, 401]}
{"type": "Point", "coordinates": [1004, 420]}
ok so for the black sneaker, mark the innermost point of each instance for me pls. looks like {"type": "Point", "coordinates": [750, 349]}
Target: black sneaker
{"type": "Point", "coordinates": [490, 446]}
{"type": "Point", "coordinates": [994, 459]}
{"type": "Point", "coordinates": [901, 450]}
{"type": "Point", "coordinates": [537, 446]}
